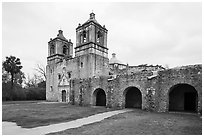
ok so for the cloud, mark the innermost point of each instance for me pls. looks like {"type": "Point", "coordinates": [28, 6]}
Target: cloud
{"type": "Point", "coordinates": [139, 33]}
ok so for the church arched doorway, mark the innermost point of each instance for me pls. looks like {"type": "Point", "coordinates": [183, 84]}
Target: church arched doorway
{"type": "Point", "coordinates": [183, 97]}
{"type": "Point", "coordinates": [133, 98]}
{"type": "Point", "coordinates": [100, 97]}
{"type": "Point", "coordinates": [63, 96]}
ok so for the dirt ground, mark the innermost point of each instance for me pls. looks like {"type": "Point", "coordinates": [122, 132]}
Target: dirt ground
{"type": "Point", "coordinates": [140, 122]}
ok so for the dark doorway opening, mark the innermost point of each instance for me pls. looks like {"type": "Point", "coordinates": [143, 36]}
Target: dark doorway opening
{"type": "Point", "coordinates": [100, 97]}
{"type": "Point", "coordinates": [183, 97]}
{"type": "Point", "coordinates": [190, 101]}
{"type": "Point", "coordinates": [63, 96]}
{"type": "Point", "coordinates": [133, 98]}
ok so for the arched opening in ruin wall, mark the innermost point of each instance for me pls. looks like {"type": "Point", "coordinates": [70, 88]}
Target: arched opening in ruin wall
{"type": "Point", "coordinates": [99, 97]}
{"type": "Point", "coordinates": [133, 97]}
{"type": "Point", "coordinates": [183, 97]}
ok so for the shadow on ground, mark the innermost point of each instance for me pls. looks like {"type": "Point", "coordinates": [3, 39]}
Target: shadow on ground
{"type": "Point", "coordinates": [141, 122]}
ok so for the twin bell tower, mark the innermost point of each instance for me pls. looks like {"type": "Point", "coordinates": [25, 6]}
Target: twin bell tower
{"type": "Point", "coordinates": [91, 52]}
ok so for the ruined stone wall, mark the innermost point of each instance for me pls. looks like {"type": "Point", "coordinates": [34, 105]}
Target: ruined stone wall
{"type": "Point", "coordinates": [83, 90]}
{"type": "Point", "coordinates": [118, 86]}
{"type": "Point", "coordinates": [191, 75]}
{"type": "Point", "coordinates": [134, 69]}
{"type": "Point", "coordinates": [155, 89]}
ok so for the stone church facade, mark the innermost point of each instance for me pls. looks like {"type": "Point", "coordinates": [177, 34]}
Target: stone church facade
{"type": "Point", "coordinates": [90, 78]}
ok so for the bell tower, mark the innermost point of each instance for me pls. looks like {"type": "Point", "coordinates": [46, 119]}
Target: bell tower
{"type": "Point", "coordinates": [59, 48]}
{"type": "Point", "coordinates": [92, 37]}
{"type": "Point", "coordinates": [91, 47]}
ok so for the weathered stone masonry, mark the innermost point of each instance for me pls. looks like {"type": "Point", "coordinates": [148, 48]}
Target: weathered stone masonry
{"type": "Point", "coordinates": [90, 78]}
{"type": "Point", "coordinates": [154, 91]}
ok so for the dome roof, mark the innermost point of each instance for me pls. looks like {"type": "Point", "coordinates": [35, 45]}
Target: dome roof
{"type": "Point", "coordinates": [114, 60]}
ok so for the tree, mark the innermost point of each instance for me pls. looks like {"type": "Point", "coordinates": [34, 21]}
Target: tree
{"type": "Point", "coordinates": [13, 66]}
{"type": "Point", "coordinates": [42, 84]}
{"type": "Point", "coordinates": [18, 78]}
{"type": "Point", "coordinates": [41, 69]}
{"type": "Point", "coordinates": [5, 76]}
{"type": "Point", "coordinates": [36, 88]}
{"type": "Point", "coordinates": [18, 92]}
{"type": "Point", "coordinates": [32, 81]}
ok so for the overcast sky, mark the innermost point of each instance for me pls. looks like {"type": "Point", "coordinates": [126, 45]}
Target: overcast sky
{"type": "Point", "coordinates": [139, 33]}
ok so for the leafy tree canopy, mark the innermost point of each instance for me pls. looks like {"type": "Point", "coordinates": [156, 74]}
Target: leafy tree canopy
{"type": "Point", "coordinates": [12, 65]}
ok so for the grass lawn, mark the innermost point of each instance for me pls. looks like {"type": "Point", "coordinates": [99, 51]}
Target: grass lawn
{"type": "Point", "coordinates": [20, 102]}
{"type": "Point", "coordinates": [140, 122]}
{"type": "Point", "coordinates": [29, 114]}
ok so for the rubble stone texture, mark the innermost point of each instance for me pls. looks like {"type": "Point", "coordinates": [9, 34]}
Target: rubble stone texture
{"type": "Point", "coordinates": [83, 75]}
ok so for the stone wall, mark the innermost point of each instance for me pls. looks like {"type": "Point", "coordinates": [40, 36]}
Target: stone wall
{"type": "Point", "coordinates": [83, 89]}
{"type": "Point", "coordinates": [53, 70]}
{"type": "Point", "coordinates": [83, 67]}
{"type": "Point", "coordinates": [153, 87]}
{"type": "Point", "coordinates": [191, 75]}
{"type": "Point", "coordinates": [155, 90]}
{"type": "Point", "coordinates": [118, 86]}
{"type": "Point", "coordinates": [51, 83]}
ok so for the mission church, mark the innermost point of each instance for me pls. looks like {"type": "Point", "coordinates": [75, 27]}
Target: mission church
{"type": "Point", "coordinates": [90, 78]}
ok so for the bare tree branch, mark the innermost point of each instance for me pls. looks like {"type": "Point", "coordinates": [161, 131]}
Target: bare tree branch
{"type": "Point", "coordinates": [41, 69]}
{"type": "Point", "coordinates": [33, 81]}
